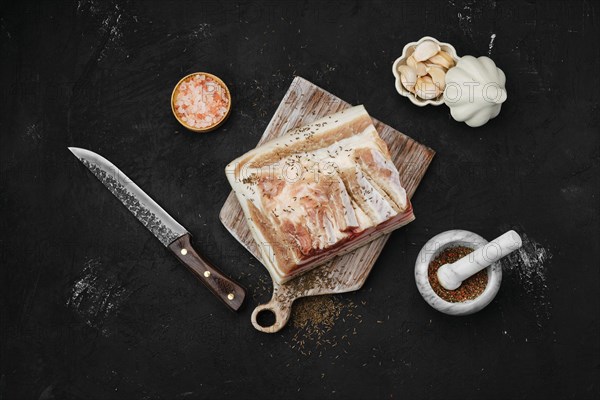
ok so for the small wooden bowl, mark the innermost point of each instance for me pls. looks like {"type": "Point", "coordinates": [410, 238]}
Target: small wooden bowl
{"type": "Point", "coordinates": [215, 125]}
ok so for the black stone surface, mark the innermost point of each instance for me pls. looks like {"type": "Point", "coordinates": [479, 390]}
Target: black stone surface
{"type": "Point", "coordinates": [93, 307]}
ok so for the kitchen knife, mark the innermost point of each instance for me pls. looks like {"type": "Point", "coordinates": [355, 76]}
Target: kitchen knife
{"type": "Point", "coordinates": [168, 231]}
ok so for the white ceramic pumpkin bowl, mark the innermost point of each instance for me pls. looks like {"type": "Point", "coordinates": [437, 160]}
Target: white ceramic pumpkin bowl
{"type": "Point", "coordinates": [407, 52]}
{"type": "Point", "coordinates": [475, 90]}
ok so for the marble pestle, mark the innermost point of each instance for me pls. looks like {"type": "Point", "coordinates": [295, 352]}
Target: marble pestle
{"type": "Point", "coordinates": [452, 275]}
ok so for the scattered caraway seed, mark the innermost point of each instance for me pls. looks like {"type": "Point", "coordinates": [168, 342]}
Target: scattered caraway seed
{"type": "Point", "coordinates": [310, 329]}
{"type": "Point", "coordinates": [259, 285]}
{"type": "Point", "coordinates": [313, 319]}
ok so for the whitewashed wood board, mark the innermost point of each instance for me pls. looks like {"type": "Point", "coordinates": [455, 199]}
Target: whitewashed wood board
{"type": "Point", "coordinates": [303, 103]}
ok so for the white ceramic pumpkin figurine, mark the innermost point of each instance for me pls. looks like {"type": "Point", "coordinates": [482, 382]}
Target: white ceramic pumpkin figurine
{"type": "Point", "coordinates": [475, 90]}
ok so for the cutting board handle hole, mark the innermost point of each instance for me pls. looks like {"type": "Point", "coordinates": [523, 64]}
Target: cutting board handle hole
{"type": "Point", "coordinates": [266, 317]}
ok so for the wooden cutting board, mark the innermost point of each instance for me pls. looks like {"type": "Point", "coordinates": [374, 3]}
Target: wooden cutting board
{"type": "Point", "coordinates": [303, 103]}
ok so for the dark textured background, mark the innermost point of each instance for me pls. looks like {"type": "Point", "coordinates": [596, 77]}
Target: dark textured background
{"type": "Point", "coordinates": [99, 75]}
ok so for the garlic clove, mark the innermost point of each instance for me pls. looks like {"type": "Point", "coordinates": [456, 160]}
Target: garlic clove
{"type": "Point", "coordinates": [426, 50]}
{"type": "Point", "coordinates": [421, 69]}
{"type": "Point", "coordinates": [442, 59]}
{"type": "Point", "coordinates": [411, 62]}
{"type": "Point", "coordinates": [426, 89]}
{"type": "Point", "coordinates": [408, 77]}
{"type": "Point", "coordinates": [432, 65]}
{"type": "Point", "coordinates": [410, 86]}
{"type": "Point", "coordinates": [438, 76]}
{"type": "Point", "coordinates": [406, 70]}
{"type": "Point", "coordinates": [447, 56]}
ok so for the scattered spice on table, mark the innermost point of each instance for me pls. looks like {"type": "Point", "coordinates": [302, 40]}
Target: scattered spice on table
{"type": "Point", "coordinates": [310, 329]}
{"type": "Point", "coordinates": [470, 289]}
{"type": "Point", "coordinates": [313, 319]}
{"type": "Point", "coordinates": [527, 268]}
{"type": "Point", "coordinates": [259, 285]}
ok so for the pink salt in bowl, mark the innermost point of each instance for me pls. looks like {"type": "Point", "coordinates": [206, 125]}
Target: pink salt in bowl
{"type": "Point", "coordinates": [201, 102]}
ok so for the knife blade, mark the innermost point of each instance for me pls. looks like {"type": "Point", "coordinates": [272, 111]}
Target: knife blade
{"type": "Point", "coordinates": [166, 229]}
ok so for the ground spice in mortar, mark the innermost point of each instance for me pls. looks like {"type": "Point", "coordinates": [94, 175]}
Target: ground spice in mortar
{"type": "Point", "coordinates": [469, 289]}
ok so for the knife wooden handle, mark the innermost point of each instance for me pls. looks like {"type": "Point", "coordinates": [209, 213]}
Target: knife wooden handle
{"type": "Point", "coordinates": [224, 288]}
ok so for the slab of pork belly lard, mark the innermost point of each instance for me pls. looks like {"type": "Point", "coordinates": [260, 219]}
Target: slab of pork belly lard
{"type": "Point", "coordinates": [319, 191]}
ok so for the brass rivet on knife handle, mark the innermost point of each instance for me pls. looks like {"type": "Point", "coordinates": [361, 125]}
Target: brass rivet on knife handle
{"type": "Point", "coordinates": [231, 293]}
